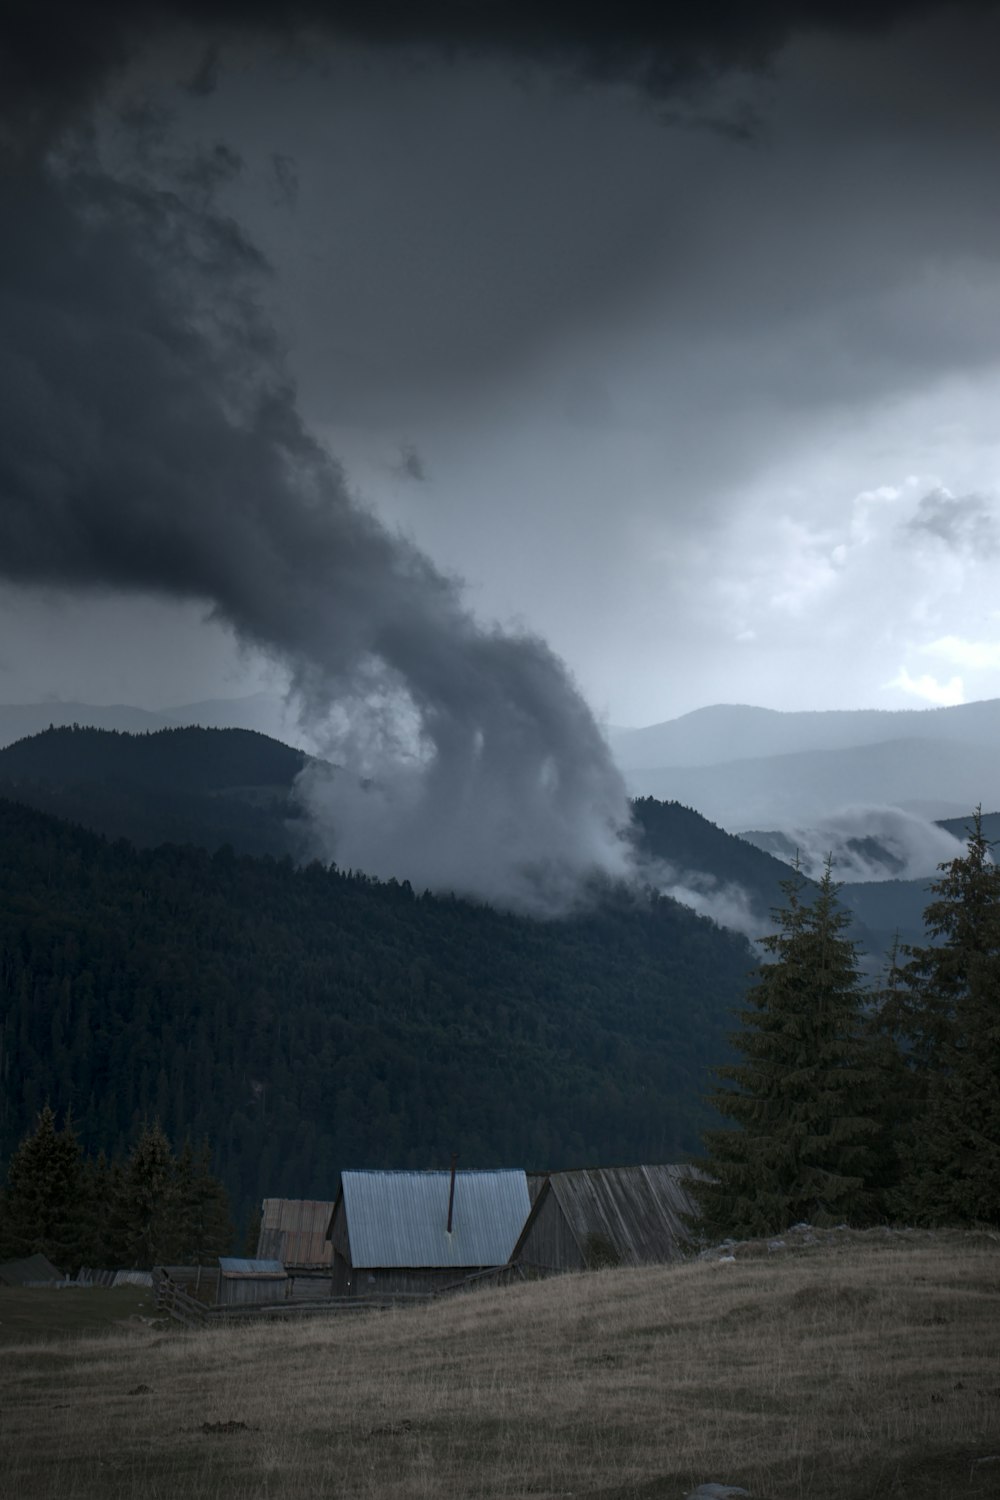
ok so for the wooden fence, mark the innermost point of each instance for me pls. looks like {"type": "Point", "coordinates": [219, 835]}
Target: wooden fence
{"type": "Point", "coordinates": [173, 1297]}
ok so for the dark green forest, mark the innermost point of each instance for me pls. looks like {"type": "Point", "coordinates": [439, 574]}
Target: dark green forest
{"type": "Point", "coordinates": [208, 787]}
{"type": "Point", "coordinates": [213, 787]}
{"type": "Point", "coordinates": [304, 1019]}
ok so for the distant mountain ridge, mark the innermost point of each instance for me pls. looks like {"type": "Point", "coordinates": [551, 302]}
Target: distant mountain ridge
{"type": "Point", "coordinates": [936, 778]}
{"type": "Point", "coordinates": [20, 720]}
{"type": "Point", "coordinates": [726, 732]}
{"type": "Point", "coordinates": [210, 787]}
{"type": "Point", "coordinates": [263, 712]}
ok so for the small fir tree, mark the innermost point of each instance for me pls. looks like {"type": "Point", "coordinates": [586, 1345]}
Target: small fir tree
{"type": "Point", "coordinates": [802, 1102]}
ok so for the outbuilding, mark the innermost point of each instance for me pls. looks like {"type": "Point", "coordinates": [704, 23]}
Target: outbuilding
{"type": "Point", "coordinates": [243, 1281]}
{"type": "Point", "coordinates": [606, 1216]}
{"type": "Point", "coordinates": [395, 1232]}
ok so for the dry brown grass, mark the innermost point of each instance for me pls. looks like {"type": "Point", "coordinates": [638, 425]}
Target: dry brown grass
{"type": "Point", "coordinates": [869, 1372]}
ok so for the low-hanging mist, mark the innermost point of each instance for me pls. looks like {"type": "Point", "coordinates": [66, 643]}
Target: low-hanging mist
{"type": "Point", "coordinates": [150, 442]}
{"type": "Point", "coordinates": [871, 844]}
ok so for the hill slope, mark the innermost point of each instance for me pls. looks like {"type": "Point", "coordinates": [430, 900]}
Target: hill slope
{"type": "Point", "coordinates": [305, 1020]}
{"type": "Point", "coordinates": [728, 731]}
{"type": "Point", "coordinates": [862, 1371]}
{"type": "Point", "coordinates": [18, 720]}
{"type": "Point", "coordinates": [936, 778]}
{"type": "Point", "coordinates": [200, 786]}
{"type": "Point", "coordinates": [215, 786]}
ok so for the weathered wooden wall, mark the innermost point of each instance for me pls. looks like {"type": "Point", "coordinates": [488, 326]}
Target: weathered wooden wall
{"type": "Point", "coordinates": [239, 1291]}
{"type": "Point", "coordinates": [549, 1245]}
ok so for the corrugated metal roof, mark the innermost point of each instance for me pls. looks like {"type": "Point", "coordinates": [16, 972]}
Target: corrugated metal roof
{"type": "Point", "coordinates": [636, 1211]}
{"type": "Point", "coordinates": [232, 1265]}
{"type": "Point", "coordinates": [401, 1218]}
{"type": "Point", "coordinates": [293, 1230]}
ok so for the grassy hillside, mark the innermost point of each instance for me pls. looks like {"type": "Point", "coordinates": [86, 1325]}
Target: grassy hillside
{"type": "Point", "coordinates": [866, 1371]}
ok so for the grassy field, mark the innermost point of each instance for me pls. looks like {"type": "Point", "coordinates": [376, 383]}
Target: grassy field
{"type": "Point", "coordinates": [32, 1313]}
{"type": "Point", "coordinates": [869, 1370]}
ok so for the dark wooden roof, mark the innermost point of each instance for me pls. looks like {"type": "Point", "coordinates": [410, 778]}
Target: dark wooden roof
{"type": "Point", "coordinates": [293, 1230]}
{"type": "Point", "coordinates": [634, 1212]}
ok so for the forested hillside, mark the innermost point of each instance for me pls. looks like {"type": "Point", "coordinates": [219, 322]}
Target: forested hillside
{"type": "Point", "coordinates": [216, 786]}
{"type": "Point", "coordinates": [687, 842]}
{"type": "Point", "coordinates": [200, 786]}
{"type": "Point", "coordinates": [305, 1020]}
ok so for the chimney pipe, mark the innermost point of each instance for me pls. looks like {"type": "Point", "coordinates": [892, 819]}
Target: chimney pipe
{"type": "Point", "coordinates": [451, 1190]}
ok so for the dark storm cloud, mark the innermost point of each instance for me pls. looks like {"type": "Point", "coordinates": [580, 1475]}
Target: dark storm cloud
{"type": "Point", "coordinates": [54, 57]}
{"type": "Point", "coordinates": [149, 443]}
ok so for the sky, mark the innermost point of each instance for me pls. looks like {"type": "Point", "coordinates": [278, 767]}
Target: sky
{"type": "Point", "coordinates": [678, 351]}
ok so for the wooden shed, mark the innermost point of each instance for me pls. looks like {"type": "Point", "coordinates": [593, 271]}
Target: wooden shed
{"type": "Point", "coordinates": [243, 1281]}
{"type": "Point", "coordinates": [423, 1231]}
{"type": "Point", "coordinates": [606, 1216]}
{"type": "Point", "coordinates": [293, 1230]}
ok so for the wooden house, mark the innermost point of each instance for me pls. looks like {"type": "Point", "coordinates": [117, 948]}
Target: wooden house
{"type": "Point", "coordinates": [606, 1216]}
{"type": "Point", "coordinates": [243, 1281]}
{"type": "Point", "coordinates": [293, 1230]}
{"type": "Point", "coordinates": [423, 1231]}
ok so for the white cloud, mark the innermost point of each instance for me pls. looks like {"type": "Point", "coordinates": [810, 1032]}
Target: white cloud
{"type": "Point", "coordinates": [978, 656]}
{"type": "Point", "coordinates": [945, 694]}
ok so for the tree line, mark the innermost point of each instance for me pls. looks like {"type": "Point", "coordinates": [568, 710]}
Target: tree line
{"type": "Point", "coordinates": [304, 1020]}
{"type": "Point", "coordinates": [151, 1208]}
{"type": "Point", "coordinates": [858, 1105]}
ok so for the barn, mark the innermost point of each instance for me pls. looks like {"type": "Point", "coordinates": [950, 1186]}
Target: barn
{"type": "Point", "coordinates": [293, 1230]}
{"type": "Point", "coordinates": [423, 1231]}
{"type": "Point", "coordinates": [606, 1216]}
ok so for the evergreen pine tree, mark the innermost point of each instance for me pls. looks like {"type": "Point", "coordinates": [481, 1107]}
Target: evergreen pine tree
{"type": "Point", "coordinates": [950, 1023]}
{"type": "Point", "coordinates": [203, 1217]}
{"type": "Point", "coordinates": [896, 1087]}
{"type": "Point", "coordinates": [804, 1143]}
{"type": "Point", "coordinates": [102, 1187]}
{"type": "Point", "coordinates": [42, 1206]}
{"type": "Point", "coordinates": [146, 1228]}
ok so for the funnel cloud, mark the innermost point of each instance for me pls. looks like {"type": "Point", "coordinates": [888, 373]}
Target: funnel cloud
{"type": "Point", "coordinates": [151, 443]}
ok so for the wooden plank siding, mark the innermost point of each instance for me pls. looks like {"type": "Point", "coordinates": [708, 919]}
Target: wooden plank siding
{"type": "Point", "coordinates": [607, 1216]}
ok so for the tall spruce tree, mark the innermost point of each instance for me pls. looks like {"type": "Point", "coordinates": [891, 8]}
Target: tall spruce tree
{"type": "Point", "coordinates": [147, 1224]}
{"type": "Point", "coordinates": [948, 1018]}
{"type": "Point", "coordinates": [204, 1219]}
{"type": "Point", "coordinates": [42, 1207]}
{"type": "Point", "coordinates": [804, 1143]}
